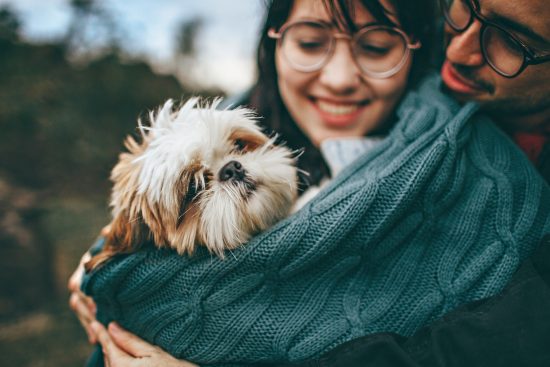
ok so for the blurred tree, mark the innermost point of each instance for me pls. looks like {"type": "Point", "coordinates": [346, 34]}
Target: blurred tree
{"type": "Point", "coordinates": [9, 23]}
{"type": "Point", "coordinates": [26, 257]}
{"type": "Point", "coordinates": [186, 48]}
{"type": "Point", "coordinates": [187, 36]}
{"type": "Point", "coordinates": [62, 127]}
{"type": "Point", "coordinates": [91, 32]}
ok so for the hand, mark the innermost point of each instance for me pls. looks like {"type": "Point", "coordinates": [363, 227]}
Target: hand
{"type": "Point", "coordinates": [83, 306]}
{"type": "Point", "coordinates": [124, 349]}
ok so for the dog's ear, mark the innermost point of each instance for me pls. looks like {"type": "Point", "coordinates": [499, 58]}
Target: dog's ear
{"type": "Point", "coordinates": [128, 231]}
{"type": "Point", "coordinates": [126, 235]}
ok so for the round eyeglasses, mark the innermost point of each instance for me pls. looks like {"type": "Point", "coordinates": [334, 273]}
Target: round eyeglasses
{"type": "Point", "coordinates": [379, 51]}
{"type": "Point", "coordinates": [503, 51]}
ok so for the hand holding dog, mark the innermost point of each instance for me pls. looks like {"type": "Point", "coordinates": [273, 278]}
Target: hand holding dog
{"type": "Point", "coordinates": [121, 348]}
{"type": "Point", "coordinates": [83, 306]}
{"type": "Point", "coordinates": [124, 349]}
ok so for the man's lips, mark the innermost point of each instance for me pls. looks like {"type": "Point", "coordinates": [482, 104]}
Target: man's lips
{"type": "Point", "coordinates": [457, 82]}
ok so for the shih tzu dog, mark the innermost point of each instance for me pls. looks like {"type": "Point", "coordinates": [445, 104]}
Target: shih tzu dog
{"type": "Point", "coordinates": [199, 176]}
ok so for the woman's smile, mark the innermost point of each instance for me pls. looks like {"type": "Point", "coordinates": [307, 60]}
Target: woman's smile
{"type": "Point", "coordinates": [338, 113]}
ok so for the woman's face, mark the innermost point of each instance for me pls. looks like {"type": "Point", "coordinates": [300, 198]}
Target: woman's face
{"type": "Point", "coordinates": [337, 100]}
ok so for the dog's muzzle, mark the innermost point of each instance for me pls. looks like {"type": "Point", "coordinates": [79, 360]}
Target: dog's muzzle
{"type": "Point", "coordinates": [233, 171]}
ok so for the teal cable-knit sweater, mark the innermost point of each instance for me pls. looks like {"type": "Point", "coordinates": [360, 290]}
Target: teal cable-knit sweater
{"type": "Point", "coordinates": [440, 213]}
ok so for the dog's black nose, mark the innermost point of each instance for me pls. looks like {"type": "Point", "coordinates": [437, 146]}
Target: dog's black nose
{"type": "Point", "coordinates": [232, 171]}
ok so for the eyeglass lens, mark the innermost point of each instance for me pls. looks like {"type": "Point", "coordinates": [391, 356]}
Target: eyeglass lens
{"type": "Point", "coordinates": [379, 50]}
{"type": "Point", "coordinates": [308, 46]}
{"type": "Point", "coordinates": [500, 50]}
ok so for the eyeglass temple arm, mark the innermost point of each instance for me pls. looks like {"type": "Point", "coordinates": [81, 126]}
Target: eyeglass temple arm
{"type": "Point", "coordinates": [271, 33]}
{"type": "Point", "coordinates": [535, 60]}
{"type": "Point", "coordinates": [415, 46]}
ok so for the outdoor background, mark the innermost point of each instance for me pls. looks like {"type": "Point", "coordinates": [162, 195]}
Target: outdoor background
{"type": "Point", "coordinates": [74, 77]}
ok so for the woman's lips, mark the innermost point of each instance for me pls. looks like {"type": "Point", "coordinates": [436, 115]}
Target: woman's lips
{"type": "Point", "coordinates": [338, 114]}
{"type": "Point", "coordinates": [457, 83]}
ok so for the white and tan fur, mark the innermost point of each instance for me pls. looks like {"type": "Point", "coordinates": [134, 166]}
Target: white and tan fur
{"type": "Point", "coordinates": [172, 188]}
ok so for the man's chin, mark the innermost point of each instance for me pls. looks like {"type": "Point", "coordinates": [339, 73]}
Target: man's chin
{"type": "Point", "coordinates": [463, 97]}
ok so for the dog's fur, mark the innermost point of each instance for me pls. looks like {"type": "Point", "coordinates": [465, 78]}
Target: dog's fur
{"type": "Point", "coordinates": [178, 189]}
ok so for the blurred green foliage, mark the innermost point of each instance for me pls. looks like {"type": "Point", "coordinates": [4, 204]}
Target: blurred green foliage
{"type": "Point", "coordinates": [62, 126]}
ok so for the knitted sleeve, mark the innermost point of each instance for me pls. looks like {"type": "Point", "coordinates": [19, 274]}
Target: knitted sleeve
{"type": "Point", "coordinates": [438, 214]}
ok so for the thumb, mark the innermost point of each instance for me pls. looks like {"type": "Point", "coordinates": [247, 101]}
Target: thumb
{"type": "Point", "coordinates": [110, 349]}
{"type": "Point", "coordinates": [129, 342]}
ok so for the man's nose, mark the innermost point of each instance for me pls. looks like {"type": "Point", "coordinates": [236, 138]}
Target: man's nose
{"type": "Point", "coordinates": [341, 74]}
{"type": "Point", "coordinates": [464, 48]}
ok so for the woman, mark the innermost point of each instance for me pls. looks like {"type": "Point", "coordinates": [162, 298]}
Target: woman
{"type": "Point", "coordinates": [345, 92]}
{"type": "Point", "coordinates": [308, 95]}
{"type": "Point", "coordinates": [320, 84]}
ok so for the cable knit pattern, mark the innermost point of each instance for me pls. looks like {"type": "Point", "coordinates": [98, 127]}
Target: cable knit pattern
{"type": "Point", "coordinates": [438, 214]}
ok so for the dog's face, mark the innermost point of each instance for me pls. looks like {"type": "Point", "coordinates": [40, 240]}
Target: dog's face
{"type": "Point", "coordinates": [200, 176]}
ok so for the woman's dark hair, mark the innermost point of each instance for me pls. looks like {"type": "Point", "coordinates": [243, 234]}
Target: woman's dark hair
{"type": "Point", "coordinates": [417, 18]}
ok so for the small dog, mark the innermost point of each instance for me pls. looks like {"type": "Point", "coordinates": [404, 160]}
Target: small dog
{"type": "Point", "coordinates": [200, 176]}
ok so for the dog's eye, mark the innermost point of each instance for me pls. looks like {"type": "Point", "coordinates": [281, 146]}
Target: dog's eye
{"type": "Point", "coordinates": [240, 145]}
{"type": "Point", "coordinates": [196, 185]}
{"type": "Point", "coordinates": [191, 191]}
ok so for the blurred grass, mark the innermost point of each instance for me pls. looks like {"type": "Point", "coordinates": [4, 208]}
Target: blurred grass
{"type": "Point", "coordinates": [51, 335]}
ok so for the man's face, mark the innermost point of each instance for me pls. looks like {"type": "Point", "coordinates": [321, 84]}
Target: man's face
{"type": "Point", "coordinates": [468, 76]}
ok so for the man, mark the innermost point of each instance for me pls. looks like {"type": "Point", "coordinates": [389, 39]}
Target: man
{"type": "Point", "coordinates": [498, 54]}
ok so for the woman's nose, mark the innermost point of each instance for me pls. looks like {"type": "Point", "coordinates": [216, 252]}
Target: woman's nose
{"type": "Point", "coordinates": [464, 48]}
{"type": "Point", "coordinates": [340, 74]}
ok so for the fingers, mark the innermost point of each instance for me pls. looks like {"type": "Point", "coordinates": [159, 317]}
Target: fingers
{"type": "Point", "coordinates": [113, 354]}
{"type": "Point", "coordinates": [76, 278]}
{"type": "Point", "coordinates": [106, 230]}
{"type": "Point", "coordinates": [140, 353]}
{"type": "Point", "coordinates": [129, 342]}
{"type": "Point", "coordinates": [85, 310]}
{"type": "Point", "coordinates": [83, 306]}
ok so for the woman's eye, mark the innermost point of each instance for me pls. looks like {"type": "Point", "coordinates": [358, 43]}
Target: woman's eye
{"type": "Point", "coordinates": [369, 49]}
{"type": "Point", "coordinates": [311, 45]}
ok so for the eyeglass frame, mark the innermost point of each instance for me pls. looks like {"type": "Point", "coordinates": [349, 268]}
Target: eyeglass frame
{"type": "Point", "coordinates": [530, 57]}
{"type": "Point", "coordinates": [279, 36]}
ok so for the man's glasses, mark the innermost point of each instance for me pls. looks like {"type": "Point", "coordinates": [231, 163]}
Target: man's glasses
{"type": "Point", "coordinates": [379, 51]}
{"type": "Point", "coordinates": [502, 50]}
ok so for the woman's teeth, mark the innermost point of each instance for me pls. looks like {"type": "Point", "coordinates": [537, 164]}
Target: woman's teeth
{"type": "Point", "coordinates": [337, 109]}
